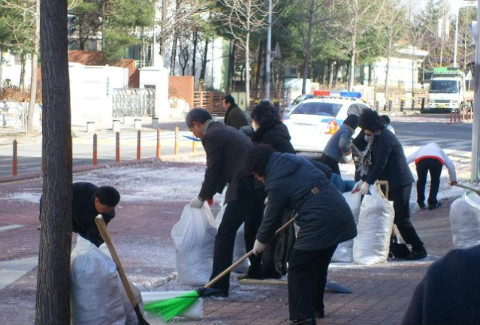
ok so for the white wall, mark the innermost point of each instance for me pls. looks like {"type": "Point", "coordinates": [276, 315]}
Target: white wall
{"type": "Point", "coordinates": [91, 92]}
{"type": "Point", "coordinates": [157, 77]}
{"type": "Point", "coordinates": [11, 71]}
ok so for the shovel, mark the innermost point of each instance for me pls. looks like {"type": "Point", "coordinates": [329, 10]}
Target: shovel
{"type": "Point", "coordinates": [468, 188]}
{"type": "Point", "coordinates": [102, 227]}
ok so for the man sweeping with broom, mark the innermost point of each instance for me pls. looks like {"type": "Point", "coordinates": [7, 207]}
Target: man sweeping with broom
{"type": "Point", "coordinates": [324, 217]}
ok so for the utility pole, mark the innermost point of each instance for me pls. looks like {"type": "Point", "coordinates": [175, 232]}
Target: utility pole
{"type": "Point", "coordinates": [476, 104]}
{"type": "Point", "coordinates": [269, 52]}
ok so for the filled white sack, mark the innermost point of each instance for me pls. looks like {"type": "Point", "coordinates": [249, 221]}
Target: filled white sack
{"type": "Point", "coordinates": [194, 237]}
{"type": "Point", "coordinates": [96, 297]}
{"type": "Point", "coordinates": [465, 220]}
{"type": "Point", "coordinates": [374, 229]}
{"type": "Point", "coordinates": [344, 251]}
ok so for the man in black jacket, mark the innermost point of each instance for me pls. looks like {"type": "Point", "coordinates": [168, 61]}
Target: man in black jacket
{"type": "Point", "coordinates": [225, 148]}
{"type": "Point", "coordinates": [88, 202]}
{"type": "Point", "coordinates": [234, 116]}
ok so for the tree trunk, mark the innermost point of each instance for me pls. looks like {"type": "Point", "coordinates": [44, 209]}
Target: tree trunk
{"type": "Point", "coordinates": [387, 70]}
{"type": "Point", "coordinates": [331, 74]}
{"type": "Point", "coordinates": [22, 71]}
{"type": "Point", "coordinates": [163, 39]}
{"type": "Point", "coordinates": [33, 83]}
{"type": "Point", "coordinates": [174, 54]}
{"type": "Point", "coordinates": [53, 281]}
{"type": "Point", "coordinates": [195, 41]}
{"type": "Point", "coordinates": [247, 57]}
{"type": "Point", "coordinates": [1, 68]}
{"type": "Point", "coordinates": [204, 61]}
{"type": "Point", "coordinates": [308, 46]}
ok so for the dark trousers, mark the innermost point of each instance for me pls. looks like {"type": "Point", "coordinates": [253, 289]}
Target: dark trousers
{"type": "Point", "coordinates": [425, 166]}
{"type": "Point", "coordinates": [401, 198]}
{"type": "Point", "coordinates": [330, 162]}
{"type": "Point", "coordinates": [248, 208]}
{"type": "Point", "coordinates": [307, 276]}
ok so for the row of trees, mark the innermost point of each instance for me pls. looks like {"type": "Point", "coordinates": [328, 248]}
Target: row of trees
{"type": "Point", "coordinates": [319, 37]}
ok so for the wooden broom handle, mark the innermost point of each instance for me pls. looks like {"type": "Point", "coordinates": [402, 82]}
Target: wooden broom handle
{"type": "Point", "coordinates": [468, 188]}
{"type": "Point", "coordinates": [102, 227]}
{"type": "Point", "coordinates": [244, 257]}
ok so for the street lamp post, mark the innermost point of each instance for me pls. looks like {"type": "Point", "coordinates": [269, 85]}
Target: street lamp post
{"type": "Point", "coordinates": [476, 107]}
{"type": "Point", "coordinates": [269, 51]}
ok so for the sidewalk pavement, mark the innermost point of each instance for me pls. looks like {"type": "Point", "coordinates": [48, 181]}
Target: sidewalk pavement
{"type": "Point", "coordinates": [141, 234]}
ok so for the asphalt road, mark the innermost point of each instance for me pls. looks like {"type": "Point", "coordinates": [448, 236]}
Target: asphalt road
{"type": "Point", "coordinates": [411, 130]}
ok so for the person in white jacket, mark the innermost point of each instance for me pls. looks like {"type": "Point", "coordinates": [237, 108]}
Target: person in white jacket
{"type": "Point", "coordinates": [430, 159]}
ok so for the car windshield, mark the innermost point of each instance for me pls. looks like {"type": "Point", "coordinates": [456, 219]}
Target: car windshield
{"type": "Point", "coordinates": [443, 86]}
{"type": "Point", "coordinates": [322, 109]}
{"type": "Point", "coordinates": [301, 98]}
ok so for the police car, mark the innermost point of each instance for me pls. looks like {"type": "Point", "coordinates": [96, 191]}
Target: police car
{"type": "Point", "coordinates": [313, 122]}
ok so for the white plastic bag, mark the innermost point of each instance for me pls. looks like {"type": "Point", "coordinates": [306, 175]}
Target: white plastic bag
{"type": "Point", "coordinates": [344, 251]}
{"type": "Point", "coordinates": [465, 220]}
{"type": "Point", "coordinates": [374, 228]}
{"type": "Point", "coordinates": [96, 296]}
{"type": "Point", "coordinates": [194, 237]}
{"type": "Point", "coordinates": [239, 248]}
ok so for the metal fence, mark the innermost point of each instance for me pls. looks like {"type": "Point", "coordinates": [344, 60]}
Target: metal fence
{"type": "Point", "coordinates": [133, 102]}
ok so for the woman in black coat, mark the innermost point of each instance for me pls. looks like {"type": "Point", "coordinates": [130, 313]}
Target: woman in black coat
{"type": "Point", "coordinates": [323, 215]}
{"type": "Point", "coordinates": [271, 130]}
{"type": "Point", "coordinates": [384, 159]}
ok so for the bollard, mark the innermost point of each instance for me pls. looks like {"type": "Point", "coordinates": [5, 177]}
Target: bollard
{"type": "Point", "coordinates": [117, 147]}
{"type": "Point", "coordinates": [14, 160]}
{"type": "Point", "coordinates": [194, 146]}
{"type": "Point", "coordinates": [402, 104]}
{"type": "Point", "coordinates": [95, 157]}
{"type": "Point", "coordinates": [158, 144]}
{"type": "Point", "coordinates": [176, 141]}
{"type": "Point", "coordinates": [139, 144]}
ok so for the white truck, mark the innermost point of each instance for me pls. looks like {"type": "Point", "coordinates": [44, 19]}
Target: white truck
{"type": "Point", "coordinates": [447, 91]}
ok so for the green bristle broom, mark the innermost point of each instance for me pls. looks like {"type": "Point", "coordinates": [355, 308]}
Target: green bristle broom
{"type": "Point", "coordinates": [170, 308]}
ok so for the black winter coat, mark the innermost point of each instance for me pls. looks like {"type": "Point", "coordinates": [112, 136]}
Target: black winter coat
{"type": "Point", "coordinates": [389, 162]}
{"type": "Point", "coordinates": [295, 182]}
{"type": "Point", "coordinates": [235, 117]}
{"type": "Point", "coordinates": [84, 212]}
{"type": "Point", "coordinates": [276, 135]}
{"type": "Point", "coordinates": [449, 292]}
{"type": "Point", "coordinates": [225, 148]}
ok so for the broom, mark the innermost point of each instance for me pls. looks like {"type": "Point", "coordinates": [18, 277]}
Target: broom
{"type": "Point", "coordinates": [170, 308]}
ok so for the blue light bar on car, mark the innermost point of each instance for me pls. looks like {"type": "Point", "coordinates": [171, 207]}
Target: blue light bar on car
{"type": "Point", "coordinates": [351, 94]}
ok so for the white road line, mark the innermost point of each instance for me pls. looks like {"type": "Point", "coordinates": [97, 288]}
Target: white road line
{"type": "Point", "coordinates": [11, 271]}
{"type": "Point", "coordinates": [9, 227]}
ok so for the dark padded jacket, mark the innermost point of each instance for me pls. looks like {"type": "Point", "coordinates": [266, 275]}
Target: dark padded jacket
{"type": "Point", "coordinates": [225, 148]}
{"type": "Point", "coordinates": [295, 182]}
{"type": "Point", "coordinates": [235, 117]}
{"type": "Point", "coordinates": [276, 135]}
{"type": "Point", "coordinates": [84, 212]}
{"type": "Point", "coordinates": [449, 292]}
{"type": "Point", "coordinates": [389, 162]}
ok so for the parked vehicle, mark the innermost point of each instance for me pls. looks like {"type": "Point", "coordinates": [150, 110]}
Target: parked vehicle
{"type": "Point", "coordinates": [447, 91]}
{"type": "Point", "coordinates": [297, 101]}
{"type": "Point", "coordinates": [312, 122]}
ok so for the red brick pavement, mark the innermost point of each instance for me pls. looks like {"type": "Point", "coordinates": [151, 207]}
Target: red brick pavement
{"type": "Point", "coordinates": [142, 235]}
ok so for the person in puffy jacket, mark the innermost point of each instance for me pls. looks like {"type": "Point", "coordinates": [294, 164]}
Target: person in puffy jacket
{"type": "Point", "coordinates": [271, 130]}
{"type": "Point", "coordinates": [340, 144]}
{"type": "Point", "coordinates": [430, 159]}
{"type": "Point", "coordinates": [234, 116]}
{"type": "Point", "coordinates": [323, 215]}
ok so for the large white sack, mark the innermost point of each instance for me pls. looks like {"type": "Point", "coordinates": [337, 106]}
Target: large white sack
{"type": "Point", "coordinates": [194, 237]}
{"type": "Point", "coordinates": [130, 315]}
{"type": "Point", "coordinates": [374, 229]}
{"type": "Point", "coordinates": [344, 251]}
{"type": "Point", "coordinates": [465, 220]}
{"type": "Point", "coordinates": [239, 248]}
{"type": "Point", "coordinates": [96, 297]}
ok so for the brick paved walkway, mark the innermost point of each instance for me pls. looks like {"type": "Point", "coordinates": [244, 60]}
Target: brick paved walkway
{"type": "Point", "coordinates": [142, 236]}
